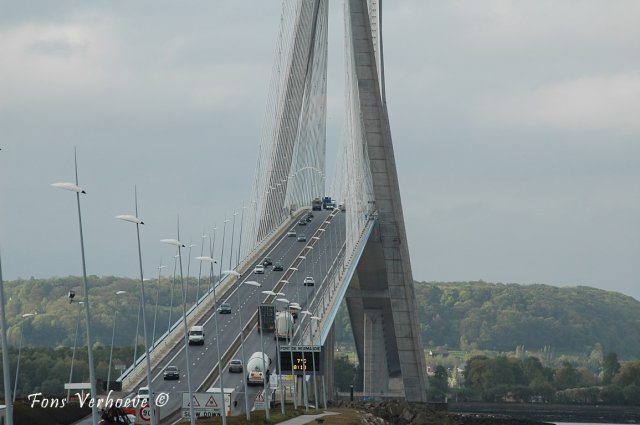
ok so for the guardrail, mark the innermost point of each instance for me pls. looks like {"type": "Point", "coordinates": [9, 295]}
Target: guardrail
{"type": "Point", "coordinates": [133, 376]}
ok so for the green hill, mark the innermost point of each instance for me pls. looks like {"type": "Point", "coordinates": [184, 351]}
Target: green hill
{"type": "Point", "coordinates": [500, 317]}
{"type": "Point", "coordinates": [462, 315]}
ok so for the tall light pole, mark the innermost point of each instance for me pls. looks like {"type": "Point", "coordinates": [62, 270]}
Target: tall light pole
{"type": "Point", "coordinates": [211, 262]}
{"type": "Point", "coordinates": [212, 247]}
{"type": "Point", "coordinates": [138, 222]}
{"type": "Point", "coordinates": [188, 267]}
{"type": "Point", "coordinates": [264, 371]}
{"type": "Point", "coordinates": [155, 311]}
{"type": "Point", "coordinates": [75, 343]}
{"type": "Point", "coordinates": [6, 372]}
{"type": "Point", "coordinates": [87, 311]}
{"type": "Point", "coordinates": [233, 233]}
{"type": "Point", "coordinates": [178, 244]}
{"type": "Point", "coordinates": [224, 233]}
{"type": "Point", "coordinates": [284, 300]}
{"type": "Point", "coordinates": [173, 284]}
{"type": "Point", "coordinates": [15, 385]}
{"type": "Point", "coordinates": [240, 237]}
{"type": "Point", "coordinates": [203, 237]}
{"type": "Point", "coordinates": [324, 388]}
{"type": "Point", "coordinates": [313, 357]}
{"type": "Point", "coordinates": [113, 334]}
{"type": "Point", "coordinates": [244, 359]}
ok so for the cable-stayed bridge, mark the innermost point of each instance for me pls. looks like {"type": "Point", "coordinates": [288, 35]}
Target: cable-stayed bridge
{"type": "Point", "coordinates": [356, 253]}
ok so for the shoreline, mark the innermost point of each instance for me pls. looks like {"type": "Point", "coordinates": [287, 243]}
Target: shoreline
{"type": "Point", "coordinates": [551, 413]}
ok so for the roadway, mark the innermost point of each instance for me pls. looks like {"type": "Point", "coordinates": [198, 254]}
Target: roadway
{"type": "Point", "coordinates": [317, 256]}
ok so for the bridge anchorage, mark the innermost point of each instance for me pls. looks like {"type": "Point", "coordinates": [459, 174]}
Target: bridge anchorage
{"type": "Point", "coordinates": [302, 261]}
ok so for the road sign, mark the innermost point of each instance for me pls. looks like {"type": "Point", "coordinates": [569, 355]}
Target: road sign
{"type": "Point", "coordinates": [300, 362]}
{"type": "Point", "coordinates": [143, 414]}
{"type": "Point", "coordinates": [288, 348]}
{"type": "Point", "coordinates": [204, 405]}
{"type": "Point", "coordinates": [258, 403]}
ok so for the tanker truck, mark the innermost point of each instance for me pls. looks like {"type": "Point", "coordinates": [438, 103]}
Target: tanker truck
{"type": "Point", "coordinates": [284, 325]}
{"type": "Point", "coordinates": [255, 370]}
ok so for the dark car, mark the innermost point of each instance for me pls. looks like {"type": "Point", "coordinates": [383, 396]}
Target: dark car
{"type": "Point", "coordinates": [308, 218]}
{"type": "Point", "coordinates": [302, 238]}
{"type": "Point", "coordinates": [235, 366]}
{"type": "Point", "coordinates": [267, 261]}
{"type": "Point", "coordinates": [302, 222]}
{"type": "Point", "coordinates": [171, 372]}
{"type": "Point", "coordinates": [278, 267]}
{"type": "Point", "coordinates": [225, 308]}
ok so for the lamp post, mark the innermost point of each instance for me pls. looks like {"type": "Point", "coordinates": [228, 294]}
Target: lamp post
{"type": "Point", "coordinates": [264, 370]}
{"type": "Point", "coordinates": [324, 388]}
{"type": "Point", "coordinates": [313, 357]}
{"type": "Point", "coordinates": [75, 342]}
{"type": "Point", "coordinates": [15, 385]}
{"type": "Point", "coordinates": [240, 237]}
{"type": "Point", "coordinates": [211, 261]}
{"type": "Point", "coordinates": [138, 222]}
{"type": "Point", "coordinates": [173, 284]}
{"type": "Point", "coordinates": [155, 311]}
{"type": "Point", "coordinates": [191, 245]}
{"type": "Point", "coordinates": [284, 300]}
{"type": "Point", "coordinates": [244, 359]}
{"type": "Point", "coordinates": [113, 334]}
{"type": "Point", "coordinates": [178, 244]}
{"type": "Point", "coordinates": [87, 311]}
{"type": "Point", "coordinates": [224, 233]}
{"type": "Point", "coordinates": [233, 232]}
{"type": "Point", "coordinates": [204, 236]}
{"type": "Point", "coordinates": [6, 372]}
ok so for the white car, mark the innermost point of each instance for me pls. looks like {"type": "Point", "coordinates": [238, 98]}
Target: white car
{"type": "Point", "coordinates": [259, 269]}
{"type": "Point", "coordinates": [291, 233]}
{"type": "Point", "coordinates": [309, 281]}
{"type": "Point", "coordinates": [143, 395]}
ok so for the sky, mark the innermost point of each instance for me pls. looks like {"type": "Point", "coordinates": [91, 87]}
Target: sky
{"type": "Point", "coordinates": [516, 130]}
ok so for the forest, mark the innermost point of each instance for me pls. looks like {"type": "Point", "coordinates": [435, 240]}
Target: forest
{"type": "Point", "coordinates": [462, 317]}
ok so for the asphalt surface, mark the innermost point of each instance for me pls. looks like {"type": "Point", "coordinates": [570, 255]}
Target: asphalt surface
{"type": "Point", "coordinates": [244, 300]}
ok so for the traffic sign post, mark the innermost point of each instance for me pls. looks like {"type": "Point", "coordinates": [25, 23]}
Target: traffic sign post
{"type": "Point", "coordinates": [205, 405]}
{"type": "Point", "coordinates": [143, 414]}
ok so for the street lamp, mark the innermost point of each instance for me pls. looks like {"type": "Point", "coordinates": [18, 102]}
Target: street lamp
{"type": "Point", "coordinates": [324, 389]}
{"type": "Point", "coordinates": [15, 385]}
{"type": "Point", "coordinates": [173, 284]}
{"type": "Point", "coordinates": [6, 372]}
{"type": "Point", "coordinates": [315, 373]}
{"type": "Point", "coordinates": [203, 237]}
{"type": "Point", "coordinates": [134, 219]}
{"type": "Point", "coordinates": [155, 311]}
{"type": "Point", "coordinates": [75, 342]}
{"type": "Point", "coordinates": [244, 359]}
{"type": "Point", "coordinates": [233, 232]}
{"type": "Point", "coordinates": [178, 244]}
{"type": "Point", "coordinates": [284, 300]}
{"type": "Point", "coordinates": [113, 334]}
{"type": "Point", "coordinates": [240, 237]}
{"type": "Point", "coordinates": [92, 373]}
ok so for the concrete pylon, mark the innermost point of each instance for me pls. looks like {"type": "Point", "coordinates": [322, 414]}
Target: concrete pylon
{"type": "Point", "coordinates": [381, 295]}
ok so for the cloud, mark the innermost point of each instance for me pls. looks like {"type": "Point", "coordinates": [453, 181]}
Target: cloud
{"type": "Point", "coordinates": [609, 102]}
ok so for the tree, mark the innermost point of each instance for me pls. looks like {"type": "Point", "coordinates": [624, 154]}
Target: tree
{"type": "Point", "coordinates": [629, 374]}
{"type": "Point", "coordinates": [438, 384]}
{"type": "Point", "coordinates": [344, 372]}
{"type": "Point", "coordinates": [610, 367]}
{"type": "Point", "coordinates": [567, 376]}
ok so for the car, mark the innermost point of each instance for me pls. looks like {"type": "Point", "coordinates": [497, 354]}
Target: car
{"type": "Point", "coordinates": [143, 394]}
{"type": "Point", "coordinates": [310, 214]}
{"type": "Point", "coordinates": [259, 269]}
{"type": "Point", "coordinates": [196, 335]}
{"type": "Point", "coordinates": [278, 267]}
{"type": "Point", "coordinates": [225, 308]}
{"type": "Point", "coordinates": [291, 233]}
{"type": "Point", "coordinates": [308, 219]}
{"type": "Point", "coordinates": [235, 366]}
{"type": "Point", "coordinates": [302, 222]}
{"type": "Point", "coordinates": [302, 238]}
{"type": "Point", "coordinates": [267, 261]}
{"type": "Point", "coordinates": [171, 372]}
{"type": "Point", "coordinates": [309, 281]}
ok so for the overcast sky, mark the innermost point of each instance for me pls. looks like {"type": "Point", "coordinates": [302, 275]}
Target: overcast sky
{"type": "Point", "coordinates": [516, 128]}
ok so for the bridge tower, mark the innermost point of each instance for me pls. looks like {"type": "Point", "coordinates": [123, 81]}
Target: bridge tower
{"type": "Point", "coordinates": [290, 173]}
{"type": "Point", "coordinates": [381, 295]}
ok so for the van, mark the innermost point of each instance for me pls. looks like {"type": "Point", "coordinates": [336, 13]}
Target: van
{"type": "Point", "coordinates": [196, 335]}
